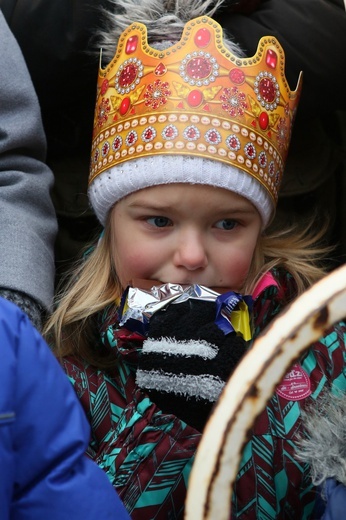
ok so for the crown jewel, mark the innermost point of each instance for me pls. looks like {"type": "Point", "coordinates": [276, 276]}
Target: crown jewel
{"type": "Point", "coordinates": [195, 98]}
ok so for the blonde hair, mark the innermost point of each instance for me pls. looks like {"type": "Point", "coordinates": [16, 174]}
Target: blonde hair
{"type": "Point", "coordinates": [298, 248]}
{"type": "Point", "coordinates": [94, 285]}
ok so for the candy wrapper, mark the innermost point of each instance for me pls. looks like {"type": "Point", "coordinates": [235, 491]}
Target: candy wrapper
{"type": "Point", "coordinates": [138, 304]}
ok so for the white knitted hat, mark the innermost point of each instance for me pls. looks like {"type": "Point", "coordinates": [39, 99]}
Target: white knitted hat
{"type": "Point", "coordinates": [133, 175]}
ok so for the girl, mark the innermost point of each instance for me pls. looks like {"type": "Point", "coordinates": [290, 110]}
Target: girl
{"type": "Point", "coordinates": [188, 151]}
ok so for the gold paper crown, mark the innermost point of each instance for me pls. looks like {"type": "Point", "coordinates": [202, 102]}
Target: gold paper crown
{"type": "Point", "coordinates": [195, 98]}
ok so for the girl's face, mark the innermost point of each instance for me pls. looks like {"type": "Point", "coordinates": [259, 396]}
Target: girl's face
{"type": "Point", "coordinates": [184, 234]}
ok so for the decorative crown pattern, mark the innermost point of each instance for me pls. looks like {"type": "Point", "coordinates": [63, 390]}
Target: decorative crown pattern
{"type": "Point", "coordinates": [195, 98]}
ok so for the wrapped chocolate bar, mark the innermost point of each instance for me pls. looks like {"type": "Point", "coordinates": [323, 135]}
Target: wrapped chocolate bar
{"type": "Point", "coordinates": [194, 337]}
{"type": "Point", "coordinates": [144, 298]}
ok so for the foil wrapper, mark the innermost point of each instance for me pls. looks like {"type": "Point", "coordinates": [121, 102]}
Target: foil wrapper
{"type": "Point", "coordinates": [232, 310]}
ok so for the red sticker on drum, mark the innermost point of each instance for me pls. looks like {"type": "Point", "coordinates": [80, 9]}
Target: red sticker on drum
{"type": "Point", "coordinates": [295, 385]}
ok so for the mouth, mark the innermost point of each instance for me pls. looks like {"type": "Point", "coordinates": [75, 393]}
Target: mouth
{"type": "Point", "coordinates": [148, 284]}
{"type": "Point", "coordinates": [190, 282]}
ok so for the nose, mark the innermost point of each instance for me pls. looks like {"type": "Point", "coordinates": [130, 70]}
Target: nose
{"type": "Point", "coordinates": [190, 251]}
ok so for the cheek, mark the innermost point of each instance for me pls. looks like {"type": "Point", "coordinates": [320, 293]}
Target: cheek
{"type": "Point", "coordinates": [238, 270]}
{"type": "Point", "coordinates": [132, 263]}
{"type": "Point", "coordinates": [245, 258]}
{"type": "Point", "coordinates": [126, 263]}
{"type": "Point", "coordinates": [236, 266]}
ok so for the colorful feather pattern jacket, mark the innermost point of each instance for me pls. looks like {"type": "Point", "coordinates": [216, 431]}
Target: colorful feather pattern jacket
{"type": "Point", "coordinates": [148, 454]}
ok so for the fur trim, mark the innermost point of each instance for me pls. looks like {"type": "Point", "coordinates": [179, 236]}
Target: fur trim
{"type": "Point", "coordinates": [324, 449]}
{"type": "Point", "coordinates": [165, 20]}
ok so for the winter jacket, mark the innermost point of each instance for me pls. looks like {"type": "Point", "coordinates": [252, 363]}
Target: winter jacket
{"type": "Point", "coordinates": [27, 218]}
{"type": "Point", "coordinates": [44, 473]}
{"type": "Point", "coordinates": [59, 44]}
{"type": "Point", "coordinates": [335, 495]}
{"type": "Point", "coordinates": [148, 454]}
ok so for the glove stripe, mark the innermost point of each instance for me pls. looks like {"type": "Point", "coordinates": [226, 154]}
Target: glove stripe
{"type": "Point", "coordinates": [186, 348]}
{"type": "Point", "coordinates": [200, 387]}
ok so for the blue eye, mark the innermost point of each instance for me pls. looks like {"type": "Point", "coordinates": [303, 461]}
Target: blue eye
{"type": "Point", "coordinates": [159, 221]}
{"type": "Point", "coordinates": [227, 224]}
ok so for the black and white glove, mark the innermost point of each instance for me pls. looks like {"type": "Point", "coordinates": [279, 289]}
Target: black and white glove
{"type": "Point", "coordinates": [187, 359]}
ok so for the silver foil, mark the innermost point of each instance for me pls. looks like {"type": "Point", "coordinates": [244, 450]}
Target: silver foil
{"type": "Point", "coordinates": [141, 304]}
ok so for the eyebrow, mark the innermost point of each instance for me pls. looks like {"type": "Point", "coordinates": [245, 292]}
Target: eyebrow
{"type": "Point", "coordinates": [157, 206]}
{"type": "Point", "coordinates": [151, 205]}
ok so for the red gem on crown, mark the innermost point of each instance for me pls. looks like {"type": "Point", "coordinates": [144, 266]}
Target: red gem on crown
{"type": "Point", "coordinates": [271, 58]}
{"type": "Point", "coordinates": [128, 75]}
{"type": "Point", "coordinates": [250, 151]}
{"type": "Point", "coordinates": [237, 76]}
{"type": "Point", "coordinates": [198, 68]}
{"type": "Point", "coordinates": [160, 70]}
{"type": "Point", "coordinates": [202, 37]}
{"type": "Point", "coordinates": [131, 44]}
{"type": "Point", "coordinates": [267, 90]}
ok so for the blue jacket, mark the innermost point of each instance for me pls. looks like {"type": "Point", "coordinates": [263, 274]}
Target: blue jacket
{"type": "Point", "coordinates": [44, 473]}
{"type": "Point", "coordinates": [335, 496]}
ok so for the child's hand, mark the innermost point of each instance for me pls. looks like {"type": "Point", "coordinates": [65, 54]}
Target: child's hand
{"type": "Point", "coordinates": [187, 359]}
